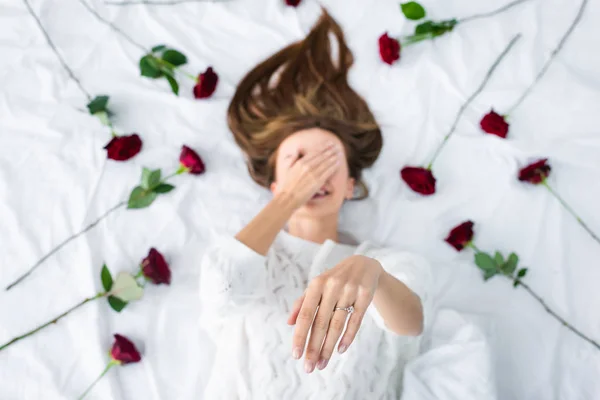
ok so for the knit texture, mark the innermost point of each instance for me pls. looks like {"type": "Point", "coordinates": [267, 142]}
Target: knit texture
{"type": "Point", "coordinates": [247, 298]}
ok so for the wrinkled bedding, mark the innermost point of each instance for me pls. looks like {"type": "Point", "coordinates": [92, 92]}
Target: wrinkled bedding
{"type": "Point", "coordinates": [486, 341]}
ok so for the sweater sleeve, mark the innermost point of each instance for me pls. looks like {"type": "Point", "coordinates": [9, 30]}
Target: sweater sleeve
{"type": "Point", "coordinates": [232, 275]}
{"type": "Point", "coordinates": [409, 268]}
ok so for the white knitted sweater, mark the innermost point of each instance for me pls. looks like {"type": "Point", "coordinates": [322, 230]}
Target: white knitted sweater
{"type": "Point", "coordinates": [247, 299]}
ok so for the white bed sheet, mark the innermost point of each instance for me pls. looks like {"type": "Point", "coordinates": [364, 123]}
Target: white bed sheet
{"type": "Point", "coordinates": [54, 180]}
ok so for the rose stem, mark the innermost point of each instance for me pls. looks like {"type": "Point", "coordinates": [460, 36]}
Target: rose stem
{"type": "Point", "coordinates": [558, 317]}
{"type": "Point", "coordinates": [491, 13]}
{"type": "Point", "coordinates": [168, 64]}
{"type": "Point", "coordinates": [551, 58]}
{"type": "Point", "coordinates": [108, 366]}
{"type": "Point", "coordinates": [113, 26]}
{"type": "Point", "coordinates": [570, 210]}
{"type": "Point", "coordinates": [52, 321]}
{"type": "Point", "coordinates": [61, 245]}
{"type": "Point", "coordinates": [472, 97]}
{"type": "Point", "coordinates": [55, 50]}
{"type": "Point", "coordinates": [546, 307]}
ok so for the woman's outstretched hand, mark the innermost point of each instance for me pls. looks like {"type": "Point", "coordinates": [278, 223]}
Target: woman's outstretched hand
{"type": "Point", "coordinates": [351, 283]}
{"type": "Point", "coordinates": [309, 173]}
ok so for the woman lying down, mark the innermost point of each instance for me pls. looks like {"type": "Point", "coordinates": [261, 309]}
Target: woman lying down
{"type": "Point", "coordinates": [297, 312]}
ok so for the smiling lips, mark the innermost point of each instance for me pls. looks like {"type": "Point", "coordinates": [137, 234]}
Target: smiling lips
{"type": "Point", "coordinates": [321, 193]}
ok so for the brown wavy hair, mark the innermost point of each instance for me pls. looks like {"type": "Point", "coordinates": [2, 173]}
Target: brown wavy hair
{"type": "Point", "coordinates": [302, 87]}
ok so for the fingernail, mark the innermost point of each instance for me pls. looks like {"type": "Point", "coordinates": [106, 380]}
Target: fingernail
{"type": "Point", "coordinates": [322, 363]}
{"type": "Point", "coordinates": [297, 352]}
{"type": "Point", "coordinates": [309, 366]}
{"type": "Point", "coordinates": [343, 348]}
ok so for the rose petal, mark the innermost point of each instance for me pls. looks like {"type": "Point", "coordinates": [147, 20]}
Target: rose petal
{"type": "Point", "coordinates": [293, 3]}
{"type": "Point", "coordinates": [494, 124]}
{"type": "Point", "coordinates": [191, 160]}
{"type": "Point", "coordinates": [207, 83]}
{"type": "Point", "coordinates": [155, 268]}
{"type": "Point", "coordinates": [124, 350]}
{"type": "Point", "coordinates": [389, 49]}
{"type": "Point", "coordinates": [122, 148]}
{"type": "Point", "coordinates": [460, 235]}
{"type": "Point", "coordinates": [421, 180]}
{"type": "Point", "coordinates": [535, 173]}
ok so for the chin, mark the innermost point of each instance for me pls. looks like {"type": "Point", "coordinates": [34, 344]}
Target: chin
{"type": "Point", "coordinates": [320, 207]}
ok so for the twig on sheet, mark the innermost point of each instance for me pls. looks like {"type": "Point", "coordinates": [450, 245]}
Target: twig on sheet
{"type": "Point", "coordinates": [571, 211]}
{"type": "Point", "coordinates": [466, 104]}
{"type": "Point", "coordinates": [63, 243]}
{"type": "Point", "coordinates": [491, 13]}
{"type": "Point", "coordinates": [55, 50]}
{"type": "Point", "coordinates": [558, 317]}
{"type": "Point", "coordinates": [113, 26]}
{"type": "Point", "coordinates": [560, 45]}
{"type": "Point", "coordinates": [52, 321]}
{"type": "Point", "coordinates": [157, 2]}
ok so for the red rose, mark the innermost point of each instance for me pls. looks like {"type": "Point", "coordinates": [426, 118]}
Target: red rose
{"type": "Point", "coordinates": [293, 3]}
{"type": "Point", "coordinates": [207, 83]}
{"type": "Point", "coordinates": [389, 49]}
{"type": "Point", "coordinates": [124, 351]}
{"type": "Point", "coordinates": [155, 268]}
{"type": "Point", "coordinates": [191, 160]}
{"type": "Point", "coordinates": [460, 236]}
{"type": "Point", "coordinates": [122, 148]}
{"type": "Point", "coordinates": [535, 173]}
{"type": "Point", "coordinates": [419, 179]}
{"type": "Point", "coordinates": [494, 124]}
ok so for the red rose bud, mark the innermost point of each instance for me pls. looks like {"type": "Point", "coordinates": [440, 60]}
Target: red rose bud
{"type": "Point", "coordinates": [494, 124]}
{"type": "Point", "coordinates": [293, 3]}
{"type": "Point", "coordinates": [389, 49]}
{"type": "Point", "coordinates": [535, 173]}
{"type": "Point", "coordinates": [122, 148]}
{"type": "Point", "coordinates": [207, 83]}
{"type": "Point", "coordinates": [124, 351]}
{"type": "Point", "coordinates": [419, 179]}
{"type": "Point", "coordinates": [460, 236]}
{"type": "Point", "coordinates": [191, 160]}
{"type": "Point", "coordinates": [155, 268]}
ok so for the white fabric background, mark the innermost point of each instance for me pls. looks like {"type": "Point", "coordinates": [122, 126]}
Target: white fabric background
{"type": "Point", "coordinates": [55, 179]}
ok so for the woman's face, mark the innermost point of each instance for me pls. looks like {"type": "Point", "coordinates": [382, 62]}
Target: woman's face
{"type": "Point", "coordinates": [338, 187]}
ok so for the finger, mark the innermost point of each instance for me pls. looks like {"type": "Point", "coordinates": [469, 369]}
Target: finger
{"type": "Point", "coordinates": [319, 328]}
{"type": "Point", "coordinates": [328, 167]}
{"type": "Point", "coordinates": [305, 319]}
{"type": "Point", "coordinates": [296, 310]}
{"type": "Point", "coordinates": [360, 308]}
{"type": "Point", "coordinates": [336, 327]}
{"type": "Point", "coordinates": [324, 148]}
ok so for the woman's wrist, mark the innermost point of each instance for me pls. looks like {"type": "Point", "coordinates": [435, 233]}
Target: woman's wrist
{"type": "Point", "coordinates": [286, 202]}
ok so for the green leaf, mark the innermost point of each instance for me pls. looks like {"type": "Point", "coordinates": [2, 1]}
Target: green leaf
{"type": "Point", "coordinates": [164, 188]}
{"type": "Point", "coordinates": [511, 264]}
{"type": "Point", "coordinates": [498, 258]}
{"type": "Point", "coordinates": [487, 264]}
{"type": "Point", "coordinates": [107, 281]}
{"type": "Point", "coordinates": [98, 104]}
{"type": "Point", "coordinates": [149, 67]}
{"type": "Point", "coordinates": [146, 177]}
{"type": "Point", "coordinates": [413, 10]}
{"type": "Point", "coordinates": [173, 83]}
{"type": "Point", "coordinates": [158, 48]}
{"type": "Point", "coordinates": [150, 178]}
{"type": "Point", "coordinates": [516, 283]}
{"type": "Point", "coordinates": [116, 303]}
{"type": "Point", "coordinates": [522, 272]}
{"type": "Point", "coordinates": [140, 198]}
{"type": "Point", "coordinates": [425, 27]}
{"type": "Point", "coordinates": [126, 288]}
{"type": "Point", "coordinates": [174, 57]}
{"type": "Point", "coordinates": [488, 274]}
